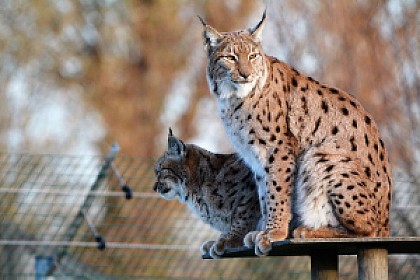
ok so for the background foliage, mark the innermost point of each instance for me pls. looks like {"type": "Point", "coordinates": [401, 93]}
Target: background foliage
{"type": "Point", "coordinates": [78, 75]}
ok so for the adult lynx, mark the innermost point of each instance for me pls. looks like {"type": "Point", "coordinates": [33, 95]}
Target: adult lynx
{"type": "Point", "coordinates": [318, 151]}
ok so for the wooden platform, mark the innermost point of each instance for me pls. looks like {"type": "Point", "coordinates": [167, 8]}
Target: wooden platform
{"type": "Point", "coordinates": [372, 254]}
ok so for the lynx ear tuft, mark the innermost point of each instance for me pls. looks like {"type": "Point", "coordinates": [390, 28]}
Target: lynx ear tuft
{"type": "Point", "coordinates": [203, 22]}
{"type": "Point", "coordinates": [256, 32]}
{"type": "Point", "coordinates": [211, 36]}
{"type": "Point", "coordinates": [175, 146]}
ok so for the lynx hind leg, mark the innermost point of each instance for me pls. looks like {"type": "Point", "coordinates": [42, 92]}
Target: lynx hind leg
{"type": "Point", "coordinates": [323, 232]}
{"type": "Point", "coordinates": [353, 206]}
{"type": "Point", "coordinates": [333, 191]}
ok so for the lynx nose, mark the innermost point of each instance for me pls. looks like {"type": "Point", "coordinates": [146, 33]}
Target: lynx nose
{"type": "Point", "coordinates": [244, 73]}
{"type": "Point", "coordinates": [244, 68]}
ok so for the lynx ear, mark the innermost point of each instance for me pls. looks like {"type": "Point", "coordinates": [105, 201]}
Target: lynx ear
{"type": "Point", "coordinates": [175, 146]}
{"type": "Point", "coordinates": [256, 32]}
{"type": "Point", "coordinates": [211, 35]}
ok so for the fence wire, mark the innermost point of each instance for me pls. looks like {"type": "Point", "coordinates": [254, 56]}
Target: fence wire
{"type": "Point", "coordinates": [90, 217]}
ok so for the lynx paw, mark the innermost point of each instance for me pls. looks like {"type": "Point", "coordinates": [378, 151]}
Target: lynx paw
{"type": "Point", "coordinates": [262, 240]}
{"type": "Point", "coordinates": [262, 244]}
{"type": "Point", "coordinates": [214, 248]}
{"type": "Point", "coordinates": [249, 239]}
{"type": "Point", "coordinates": [206, 246]}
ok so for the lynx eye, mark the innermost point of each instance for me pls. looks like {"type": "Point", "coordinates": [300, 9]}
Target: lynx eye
{"type": "Point", "coordinates": [229, 58]}
{"type": "Point", "coordinates": [253, 56]}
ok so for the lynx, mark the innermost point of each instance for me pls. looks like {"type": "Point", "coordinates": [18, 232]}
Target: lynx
{"type": "Point", "coordinates": [219, 188]}
{"type": "Point", "coordinates": [317, 150]}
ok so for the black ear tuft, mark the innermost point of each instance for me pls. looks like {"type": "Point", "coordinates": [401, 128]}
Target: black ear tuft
{"type": "Point", "coordinates": [175, 146]}
{"type": "Point", "coordinates": [211, 36]}
{"type": "Point", "coordinates": [256, 31]}
{"type": "Point", "coordinates": [202, 20]}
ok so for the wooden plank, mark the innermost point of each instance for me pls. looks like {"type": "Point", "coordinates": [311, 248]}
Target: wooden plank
{"type": "Point", "coordinates": [340, 246]}
{"type": "Point", "coordinates": [372, 264]}
{"type": "Point", "coordinates": [324, 266]}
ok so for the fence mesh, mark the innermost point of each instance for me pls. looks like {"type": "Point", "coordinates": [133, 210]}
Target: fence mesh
{"type": "Point", "coordinates": [69, 217]}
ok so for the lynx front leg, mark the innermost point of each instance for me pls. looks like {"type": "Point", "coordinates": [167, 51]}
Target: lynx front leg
{"type": "Point", "coordinates": [242, 221]}
{"type": "Point", "coordinates": [280, 167]}
{"type": "Point", "coordinates": [251, 237]}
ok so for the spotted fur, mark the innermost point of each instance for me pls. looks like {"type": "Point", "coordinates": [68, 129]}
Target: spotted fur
{"type": "Point", "coordinates": [317, 150]}
{"type": "Point", "coordinates": [219, 188]}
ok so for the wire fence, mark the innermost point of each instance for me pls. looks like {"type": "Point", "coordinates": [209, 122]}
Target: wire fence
{"type": "Point", "coordinates": [90, 217]}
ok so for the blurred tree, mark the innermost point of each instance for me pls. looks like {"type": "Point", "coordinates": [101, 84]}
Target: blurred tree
{"type": "Point", "coordinates": [130, 93]}
{"type": "Point", "coordinates": [78, 75]}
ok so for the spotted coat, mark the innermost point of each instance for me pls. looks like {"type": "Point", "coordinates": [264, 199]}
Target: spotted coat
{"type": "Point", "coordinates": [218, 188]}
{"type": "Point", "coordinates": [318, 151]}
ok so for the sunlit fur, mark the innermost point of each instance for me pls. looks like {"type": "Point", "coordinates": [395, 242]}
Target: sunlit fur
{"type": "Point", "coordinates": [218, 188]}
{"type": "Point", "coordinates": [318, 152]}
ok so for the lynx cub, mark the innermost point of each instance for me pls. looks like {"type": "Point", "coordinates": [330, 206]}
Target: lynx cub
{"type": "Point", "coordinates": [318, 151]}
{"type": "Point", "coordinates": [219, 188]}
